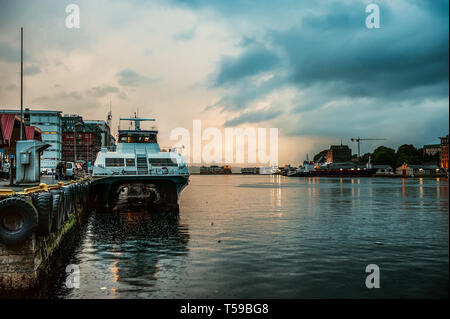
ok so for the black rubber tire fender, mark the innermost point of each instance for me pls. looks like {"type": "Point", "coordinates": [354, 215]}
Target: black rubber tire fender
{"type": "Point", "coordinates": [73, 198]}
{"type": "Point", "coordinates": [44, 205]}
{"type": "Point", "coordinates": [67, 202]}
{"type": "Point", "coordinates": [79, 194]}
{"type": "Point", "coordinates": [85, 193]}
{"type": "Point", "coordinates": [29, 220]}
{"type": "Point", "coordinates": [57, 212]}
{"type": "Point", "coordinates": [73, 194]}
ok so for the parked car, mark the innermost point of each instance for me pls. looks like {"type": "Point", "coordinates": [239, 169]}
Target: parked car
{"type": "Point", "coordinates": [47, 171]}
{"type": "Point", "coordinates": [70, 170]}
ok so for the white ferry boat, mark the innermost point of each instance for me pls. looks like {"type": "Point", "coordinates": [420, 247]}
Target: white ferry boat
{"type": "Point", "coordinates": [138, 159]}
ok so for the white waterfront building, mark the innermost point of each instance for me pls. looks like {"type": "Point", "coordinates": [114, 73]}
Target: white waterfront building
{"type": "Point", "coordinates": [50, 123]}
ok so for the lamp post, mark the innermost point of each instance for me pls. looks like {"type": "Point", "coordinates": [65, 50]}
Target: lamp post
{"type": "Point", "coordinates": [21, 83]}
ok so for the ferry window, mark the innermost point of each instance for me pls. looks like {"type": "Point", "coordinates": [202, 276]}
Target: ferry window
{"type": "Point", "coordinates": [163, 161]}
{"type": "Point", "coordinates": [130, 162]}
{"type": "Point", "coordinates": [137, 138]}
{"type": "Point", "coordinates": [171, 162]}
{"type": "Point", "coordinates": [114, 162]}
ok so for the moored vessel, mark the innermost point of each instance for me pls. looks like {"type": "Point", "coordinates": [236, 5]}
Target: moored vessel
{"type": "Point", "coordinates": [350, 169]}
{"type": "Point", "coordinates": [139, 160]}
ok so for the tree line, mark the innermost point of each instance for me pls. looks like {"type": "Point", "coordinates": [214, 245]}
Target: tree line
{"type": "Point", "coordinates": [383, 155]}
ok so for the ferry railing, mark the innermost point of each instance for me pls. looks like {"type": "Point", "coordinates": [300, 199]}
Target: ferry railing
{"type": "Point", "coordinates": [171, 149]}
{"type": "Point", "coordinates": [111, 148]}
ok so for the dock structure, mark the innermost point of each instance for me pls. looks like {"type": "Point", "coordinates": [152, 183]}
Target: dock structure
{"type": "Point", "coordinates": [35, 223]}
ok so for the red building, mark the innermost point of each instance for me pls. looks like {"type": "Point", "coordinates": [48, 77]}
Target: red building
{"type": "Point", "coordinates": [2, 141]}
{"type": "Point", "coordinates": [80, 141]}
{"type": "Point", "coordinates": [10, 126]}
{"type": "Point", "coordinates": [444, 152]}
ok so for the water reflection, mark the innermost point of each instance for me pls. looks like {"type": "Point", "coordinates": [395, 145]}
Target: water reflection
{"type": "Point", "coordinates": [267, 236]}
{"type": "Point", "coordinates": [133, 247]}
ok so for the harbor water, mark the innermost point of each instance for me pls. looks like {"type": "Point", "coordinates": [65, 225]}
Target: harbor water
{"type": "Point", "coordinates": [268, 237]}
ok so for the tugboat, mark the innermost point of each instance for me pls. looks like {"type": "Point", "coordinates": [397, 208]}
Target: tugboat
{"type": "Point", "coordinates": [139, 161]}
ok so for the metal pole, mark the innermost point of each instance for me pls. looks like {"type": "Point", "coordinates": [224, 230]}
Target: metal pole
{"type": "Point", "coordinates": [21, 82]}
{"type": "Point", "coordinates": [359, 150]}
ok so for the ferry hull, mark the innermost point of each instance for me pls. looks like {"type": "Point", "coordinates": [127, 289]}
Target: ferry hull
{"type": "Point", "coordinates": [169, 188]}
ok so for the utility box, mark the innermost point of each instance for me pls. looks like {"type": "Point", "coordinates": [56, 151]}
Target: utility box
{"type": "Point", "coordinates": [28, 161]}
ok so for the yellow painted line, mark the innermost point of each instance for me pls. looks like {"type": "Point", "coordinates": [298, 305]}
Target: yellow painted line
{"type": "Point", "coordinates": [41, 187]}
{"type": "Point", "coordinates": [6, 192]}
{"type": "Point", "coordinates": [55, 186]}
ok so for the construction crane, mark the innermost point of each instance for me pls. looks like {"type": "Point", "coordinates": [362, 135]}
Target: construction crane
{"type": "Point", "coordinates": [359, 139]}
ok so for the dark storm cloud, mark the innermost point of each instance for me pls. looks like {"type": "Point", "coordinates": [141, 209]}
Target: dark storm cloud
{"type": "Point", "coordinates": [128, 77]}
{"type": "Point", "coordinates": [244, 7]}
{"type": "Point", "coordinates": [100, 91]}
{"type": "Point", "coordinates": [10, 53]}
{"type": "Point", "coordinates": [255, 59]}
{"type": "Point", "coordinates": [68, 101]}
{"type": "Point", "coordinates": [253, 117]}
{"type": "Point", "coordinates": [437, 7]}
{"type": "Point", "coordinates": [336, 48]}
{"type": "Point", "coordinates": [330, 56]}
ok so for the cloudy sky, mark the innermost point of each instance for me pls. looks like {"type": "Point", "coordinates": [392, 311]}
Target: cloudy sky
{"type": "Point", "coordinates": [310, 68]}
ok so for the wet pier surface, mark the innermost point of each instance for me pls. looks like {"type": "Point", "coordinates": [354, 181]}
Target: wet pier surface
{"type": "Point", "coordinates": [267, 236]}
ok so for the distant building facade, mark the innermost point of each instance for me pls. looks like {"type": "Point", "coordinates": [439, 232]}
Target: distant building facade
{"type": "Point", "coordinates": [444, 152]}
{"type": "Point", "coordinates": [49, 130]}
{"type": "Point", "coordinates": [431, 149]}
{"type": "Point", "coordinates": [81, 141]}
{"type": "Point", "coordinates": [339, 153]}
{"type": "Point", "coordinates": [106, 137]}
{"type": "Point", "coordinates": [215, 170]}
{"type": "Point", "coordinates": [50, 123]}
{"type": "Point", "coordinates": [417, 170]}
{"type": "Point", "coordinates": [250, 170]}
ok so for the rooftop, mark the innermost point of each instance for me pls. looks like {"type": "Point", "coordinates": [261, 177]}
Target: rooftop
{"type": "Point", "coordinates": [25, 111]}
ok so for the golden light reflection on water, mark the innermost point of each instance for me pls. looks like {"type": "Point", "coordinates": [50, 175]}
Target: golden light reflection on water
{"type": "Point", "coordinates": [115, 270]}
{"type": "Point", "coordinates": [421, 193]}
{"type": "Point", "coordinates": [276, 192]}
{"type": "Point", "coordinates": [403, 187]}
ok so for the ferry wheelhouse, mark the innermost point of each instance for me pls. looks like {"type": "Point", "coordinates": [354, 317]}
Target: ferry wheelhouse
{"type": "Point", "coordinates": [138, 153]}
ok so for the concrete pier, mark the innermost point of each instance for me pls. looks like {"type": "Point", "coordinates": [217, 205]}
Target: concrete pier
{"type": "Point", "coordinates": [22, 266]}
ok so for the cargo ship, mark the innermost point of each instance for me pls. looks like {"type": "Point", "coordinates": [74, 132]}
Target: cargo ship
{"type": "Point", "coordinates": [341, 172]}
{"type": "Point", "coordinates": [347, 169]}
